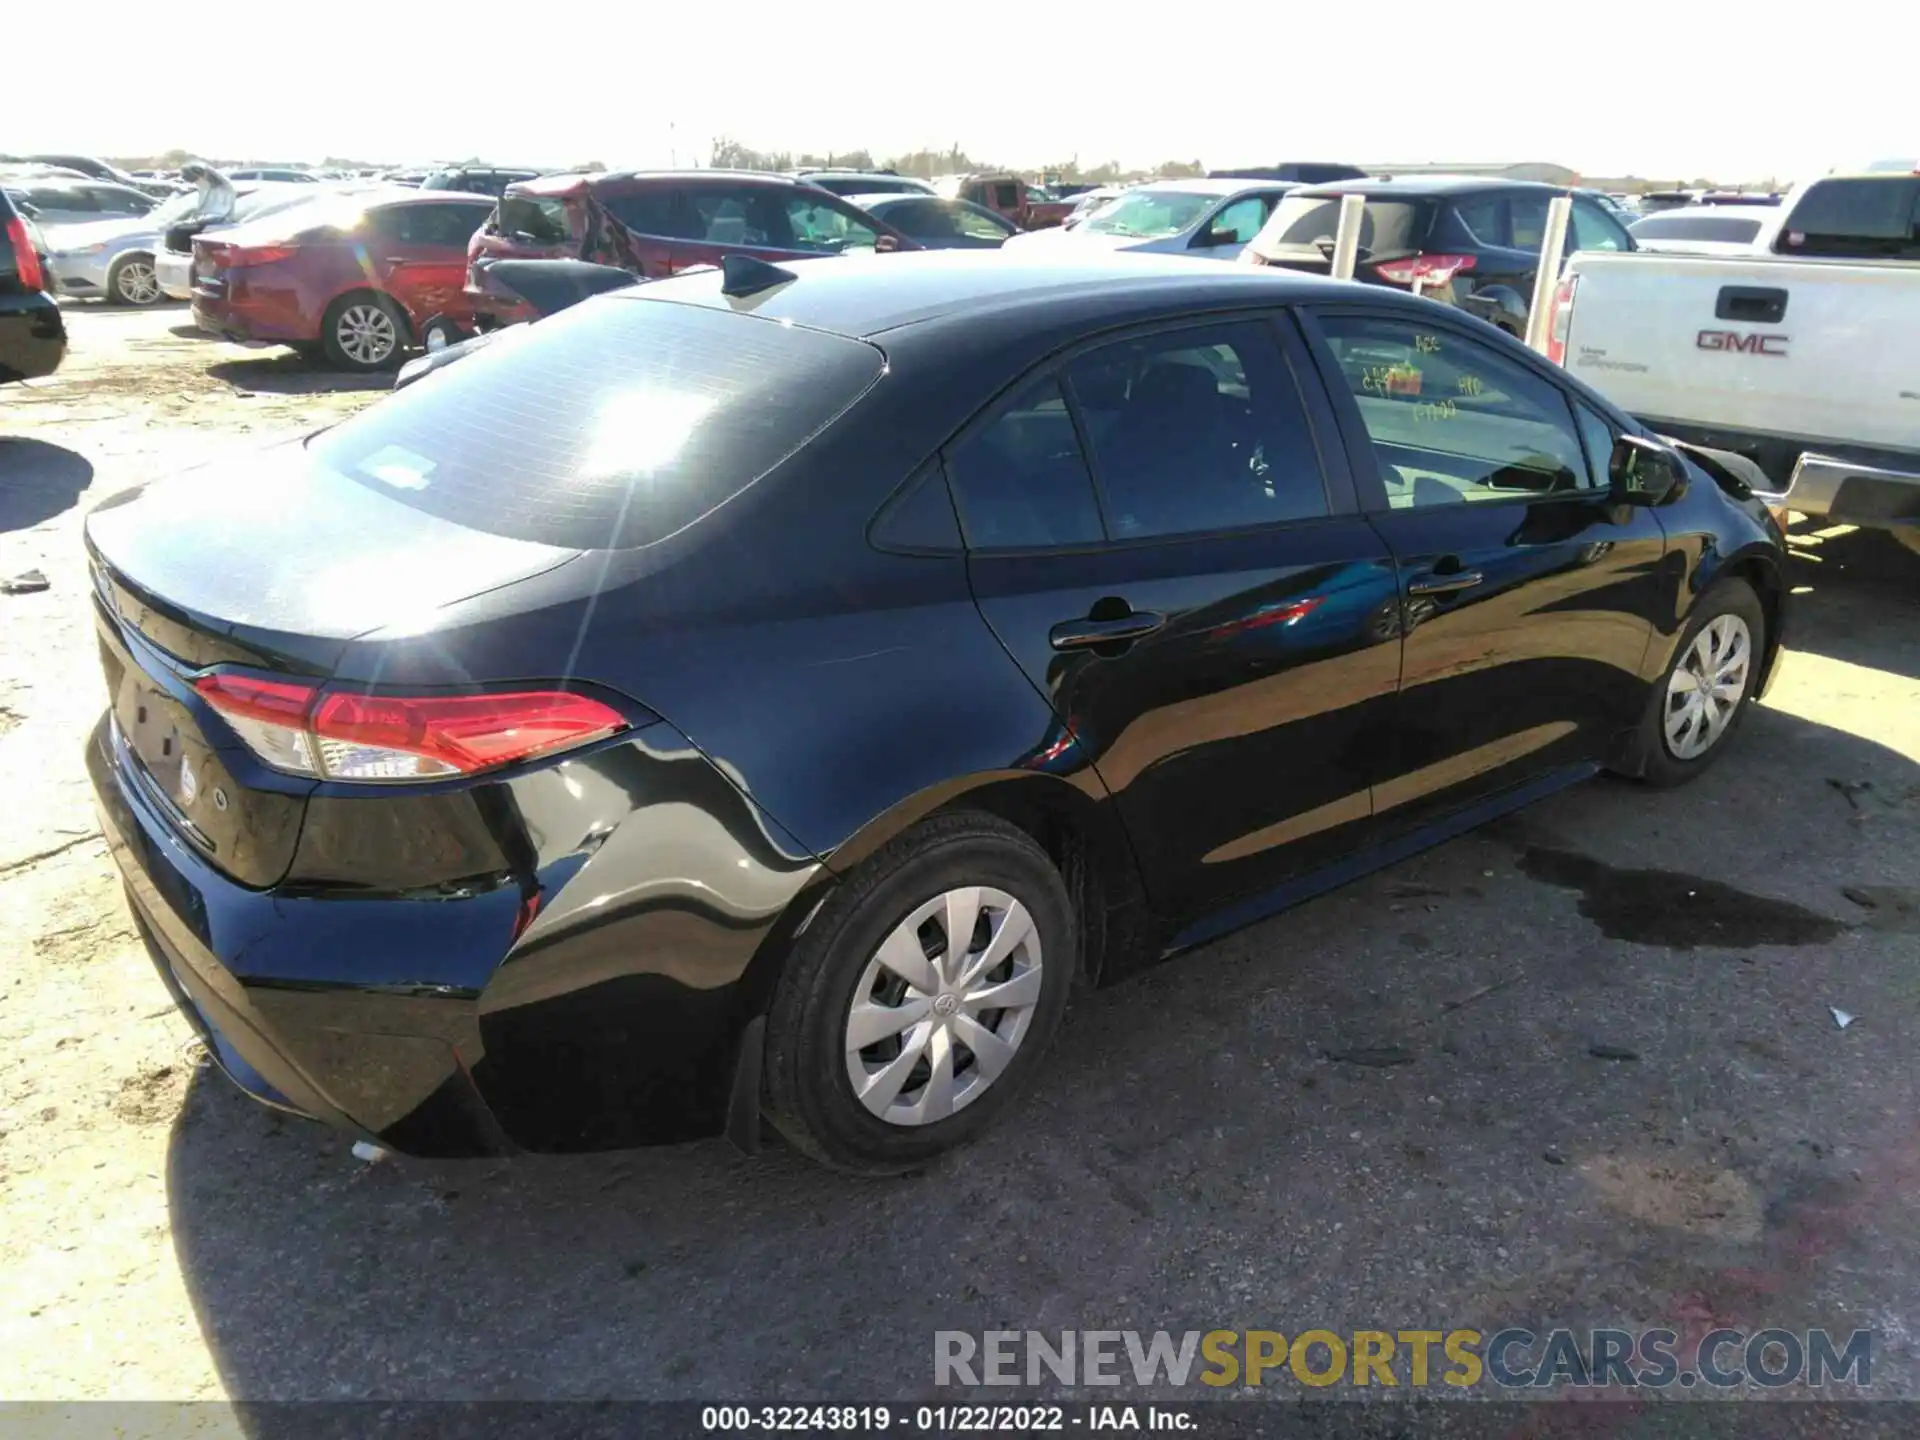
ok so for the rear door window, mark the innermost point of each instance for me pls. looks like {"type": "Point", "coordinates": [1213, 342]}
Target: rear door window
{"type": "Point", "coordinates": [436, 225]}
{"type": "Point", "coordinates": [613, 424]}
{"type": "Point", "coordinates": [1197, 430]}
{"type": "Point", "coordinates": [743, 215]}
{"type": "Point", "coordinates": [1485, 218]}
{"type": "Point", "coordinates": [817, 221]}
{"type": "Point", "coordinates": [1591, 228]}
{"type": "Point", "coordinates": [658, 211]}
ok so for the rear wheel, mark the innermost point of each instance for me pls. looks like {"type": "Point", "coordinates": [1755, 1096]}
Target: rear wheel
{"type": "Point", "coordinates": [1698, 703]}
{"type": "Point", "coordinates": [363, 332]}
{"type": "Point", "coordinates": [920, 1000]}
{"type": "Point", "coordinates": [131, 281]}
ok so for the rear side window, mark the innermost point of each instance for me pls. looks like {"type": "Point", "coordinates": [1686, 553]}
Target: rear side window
{"type": "Point", "coordinates": [445, 225]}
{"type": "Point", "coordinates": [613, 424]}
{"type": "Point", "coordinates": [1865, 217]}
{"type": "Point", "coordinates": [653, 211]}
{"type": "Point", "coordinates": [1021, 481]}
{"type": "Point", "coordinates": [542, 220]}
{"type": "Point", "coordinates": [1307, 223]}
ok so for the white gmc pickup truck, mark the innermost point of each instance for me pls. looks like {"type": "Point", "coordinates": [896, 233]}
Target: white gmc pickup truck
{"type": "Point", "coordinates": [1804, 356]}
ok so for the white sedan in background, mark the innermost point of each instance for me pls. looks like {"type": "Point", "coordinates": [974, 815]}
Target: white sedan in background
{"type": "Point", "coordinates": [1209, 219]}
{"type": "Point", "coordinates": [1706, 229]}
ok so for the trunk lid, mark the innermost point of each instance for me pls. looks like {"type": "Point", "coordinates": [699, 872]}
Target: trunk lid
{"type": "Point", "coordinates": [272, 562]}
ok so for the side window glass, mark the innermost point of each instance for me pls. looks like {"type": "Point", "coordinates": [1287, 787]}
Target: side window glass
{"type": "Point", "coordinates": [1589, 229]}
{"type": "Point", "coordinates": [1020, 482]}
{"type": "Point", "coordinates": [1527, 222]}
{"type": "Point", "coordinates": [1451, 419]}
{"type": "Point", "coordinates": [975, 224]}
{"type": "Point", "coordinates": [919, 520]}
{"type": "Point", "coordinates": [726, 217]}
{"type": "Point", "coordinates": [652, 211]}
{"type": "Point", "coordinates": [1198, 430]}
{"type": "Point", "coordinates": [1242, 219]}
{"type": "Point", "coordinates": [817, 224]}
{"type": "Point", "coordinates": [1481, 215]}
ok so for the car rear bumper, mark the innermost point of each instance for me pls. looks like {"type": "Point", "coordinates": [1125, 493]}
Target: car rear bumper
{"type": "Point", "coordinates": [175, 274]}
{"type": "Point", "coordinates": [380, 1061]}
{"type": "Point", "coordinates": [267, 321]}
{"type": "Point", "coordinates": [33, 337]}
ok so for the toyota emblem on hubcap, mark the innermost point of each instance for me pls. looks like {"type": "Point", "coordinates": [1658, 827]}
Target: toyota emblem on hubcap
{"type": "Point", "coordinates": [945, 1005]}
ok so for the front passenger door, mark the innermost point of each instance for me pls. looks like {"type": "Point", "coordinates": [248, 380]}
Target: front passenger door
{"type": "Point", "coordinates": [1528, 596]}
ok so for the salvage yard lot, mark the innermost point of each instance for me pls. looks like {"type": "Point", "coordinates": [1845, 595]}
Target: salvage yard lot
{"type": "Point", "coordinates": [1577, 1069]}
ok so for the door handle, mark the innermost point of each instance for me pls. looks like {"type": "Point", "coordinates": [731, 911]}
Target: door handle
{"type": "Point", "coordinates": [1084, 634]}
{"type": "Point", "coordinates": [1445, 584]}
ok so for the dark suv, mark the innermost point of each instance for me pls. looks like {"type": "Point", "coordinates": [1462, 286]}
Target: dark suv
{"type": "Point", "coordinates": [1469, 242]}
{"type": "Point", "coordinates": [33, 337]}
{"type": "Point", "coordinates": [659, 223]}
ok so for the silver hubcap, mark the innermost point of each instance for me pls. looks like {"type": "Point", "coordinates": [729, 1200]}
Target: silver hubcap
{"type": "Point", "coordinates": [943, 1005]}
{"type": "Point", "coordinates": [1706, 687]}
{"type": "Point", "coordinates": [366, 334]}
{"type": "Point", "coordinates": [137, 284]}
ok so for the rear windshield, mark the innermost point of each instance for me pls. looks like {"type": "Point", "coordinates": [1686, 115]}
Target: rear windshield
{"type": "Point", "coordinates": [1865, 217]}
{"type": "Point", "coordinates": [1310, 222]}
{"type": "Point", "coordinates": [541, 220]}
{"type": "Point", "coordinates": [1673, 225]}
{"type": "Point", "coordinates": [610, 425]}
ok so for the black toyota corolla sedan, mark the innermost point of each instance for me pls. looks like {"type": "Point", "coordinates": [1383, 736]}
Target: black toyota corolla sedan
{"type": "Point", "coordinates": [766, 694]}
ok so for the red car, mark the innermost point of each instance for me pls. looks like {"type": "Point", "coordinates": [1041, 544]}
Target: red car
{"type": "Point", "coordinates": [659, 223]}
{"type": "Point", "coordinates": [351, 279]}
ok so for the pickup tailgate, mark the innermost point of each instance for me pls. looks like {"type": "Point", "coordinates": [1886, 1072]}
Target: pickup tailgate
{"type": "Point", "coordinates": [1809, 349]}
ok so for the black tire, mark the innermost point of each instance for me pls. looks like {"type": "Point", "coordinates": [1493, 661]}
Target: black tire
{"type": "Point", "coordinates": [808, 1093]}
{"type": "Point", "coordinates": [343, 354]}
{"type": "Point", "coordinates": [1657, 764]}
{"type": "Point", "coordinates": [124, 272]}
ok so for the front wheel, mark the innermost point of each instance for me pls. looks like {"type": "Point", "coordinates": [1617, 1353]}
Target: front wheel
{"type": "Point", "coordinates": [362, 333]}
{"type": "Point", "coordinates": [919, 1001]}
{"type": "Point", "coordinates": [132, 281]}
{"type": "Point", "coordinates": [1700, 699]}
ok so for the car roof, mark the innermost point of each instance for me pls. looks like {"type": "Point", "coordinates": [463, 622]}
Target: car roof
{"type": "Point", "coordinates": [1204, 186]}
{"type": "Point", "coordinates": [572, 182]}
{"type": "Point", "coordinates": [864, 295]}
{"type": "Point", "coordinates": [1389, 186]}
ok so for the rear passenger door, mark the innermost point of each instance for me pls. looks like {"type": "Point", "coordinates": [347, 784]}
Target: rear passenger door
{"type": "Point", "coordinates": [1162, 531]}
{"type": "Point", "coordinates": [423, 249]}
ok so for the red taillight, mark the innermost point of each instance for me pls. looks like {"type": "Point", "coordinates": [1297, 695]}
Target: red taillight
{"type": "Point", "coordinates": [348, 735]}
{"type": "Point", "coordinates": [26, 260]}
{"type": "Point", "coordinates": [240, 255]}
{"type": "Point", "coordinates": [1423, 269]}
{"type": "Point", "coordinates": [1560, 320]}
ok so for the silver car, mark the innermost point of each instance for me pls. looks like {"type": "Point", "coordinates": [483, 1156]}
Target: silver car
{"type": "Point", "coordinates": [173, 269]}
{"type": "Point", "coordinates": [1208, 219]}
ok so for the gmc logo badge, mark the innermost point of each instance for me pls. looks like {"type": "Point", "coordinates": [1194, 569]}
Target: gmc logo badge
{"type": "Point", "coordinates": [1774, 345]}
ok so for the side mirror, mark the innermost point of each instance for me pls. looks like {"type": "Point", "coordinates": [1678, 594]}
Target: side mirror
{"type": "Point", "coordinates": [1642, 471]}
{"type": "Point", "coordinates": [885, 245]}
{"type": "Point", "coordinates": [1216, 236]}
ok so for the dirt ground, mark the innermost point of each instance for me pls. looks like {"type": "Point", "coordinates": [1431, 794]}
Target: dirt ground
{"type": "Point", "coordinates": [1592, 1076]}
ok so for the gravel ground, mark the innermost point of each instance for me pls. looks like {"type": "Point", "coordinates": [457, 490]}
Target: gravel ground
{"type": "Point", "coordinates": [1193, 1157]}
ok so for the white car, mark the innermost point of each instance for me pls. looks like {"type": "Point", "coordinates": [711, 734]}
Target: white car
{"type": "Point", "coordinates": [1706, 229]}
{"type": "Point", "coordinates": [1209, 219]}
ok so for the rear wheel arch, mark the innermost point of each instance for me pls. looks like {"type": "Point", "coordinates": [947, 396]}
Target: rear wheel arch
{"type": "Point", "coordinates": [374, 292]}
{"type": "Point", "coordinates": [1080, 835]}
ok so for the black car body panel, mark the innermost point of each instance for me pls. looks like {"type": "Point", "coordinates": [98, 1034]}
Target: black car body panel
{"type": "Point", "coordinates": [33, 334]}
{"type": "Point", "coordinates": [567, 953]}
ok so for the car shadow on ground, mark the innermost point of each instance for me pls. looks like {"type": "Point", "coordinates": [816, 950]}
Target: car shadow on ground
{"type": "Point", "coordinates": [281, 372]}
{"type": "Point", "coordinates": [1857, 598]}
{"type": "Point", "coordinates": [1491, 1085]}
{"type": "Point", "coordinates": [38, 481]}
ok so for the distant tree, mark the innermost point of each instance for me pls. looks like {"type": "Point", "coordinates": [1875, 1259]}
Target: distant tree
{"type": "Point", "coordinates": [1181, 169]}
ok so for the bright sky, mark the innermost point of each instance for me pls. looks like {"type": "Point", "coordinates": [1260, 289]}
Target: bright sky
{"type": "Point", "coordinates": [1660, 88]}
